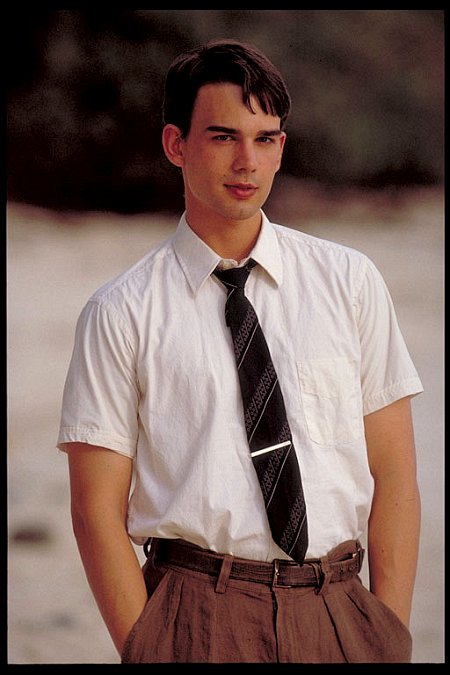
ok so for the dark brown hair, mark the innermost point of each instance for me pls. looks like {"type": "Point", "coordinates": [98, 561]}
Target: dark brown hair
{"type": "Point", "coordinates": [223, 61]}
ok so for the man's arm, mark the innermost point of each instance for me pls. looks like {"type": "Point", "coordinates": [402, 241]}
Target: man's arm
{"type": "Point", "coordinates": [394, 523]}
{"type": "Point", "coordinates": [100, 482]}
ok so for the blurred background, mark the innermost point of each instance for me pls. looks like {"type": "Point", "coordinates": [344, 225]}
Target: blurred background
{"type": "Point", "coordinates": [85, 93]}
{"type": "Point", "coordinates": [89, 191]}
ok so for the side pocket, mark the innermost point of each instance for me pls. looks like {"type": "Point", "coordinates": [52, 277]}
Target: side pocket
{"type": "Point", "coordinates": [391, 614]}
{"type": "Point", "coordinates": [126, 655]}
{"type": "Point", "coordinates": [368, 630]}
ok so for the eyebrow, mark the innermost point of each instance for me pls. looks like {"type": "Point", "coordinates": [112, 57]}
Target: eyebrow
{"type": "Point", "coordinates": [227, 130]}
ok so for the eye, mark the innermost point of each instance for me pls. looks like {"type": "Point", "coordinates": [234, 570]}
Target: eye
{"type": "Point", "coordinates": [223, 138]}
{"type": "Point", "coordinates": [265, 139]}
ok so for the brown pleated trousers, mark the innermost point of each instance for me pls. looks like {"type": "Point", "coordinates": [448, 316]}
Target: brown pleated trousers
{"type": "Point", "coordinates": [192, 618]}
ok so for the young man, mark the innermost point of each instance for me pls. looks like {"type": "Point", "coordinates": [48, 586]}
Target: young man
{"type": "Point", "coordinates": [153, 405]}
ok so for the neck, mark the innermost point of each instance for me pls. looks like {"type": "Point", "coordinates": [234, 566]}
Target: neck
{"type": "Point", "coordinates": [228, 238]}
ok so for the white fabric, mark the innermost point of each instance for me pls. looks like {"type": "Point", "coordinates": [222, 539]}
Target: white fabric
{"type": "Point", "coordinates": [153, 377]}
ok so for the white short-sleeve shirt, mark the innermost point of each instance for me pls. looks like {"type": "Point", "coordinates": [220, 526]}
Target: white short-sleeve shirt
{"type": "Point", "coordinates": [153, 377]}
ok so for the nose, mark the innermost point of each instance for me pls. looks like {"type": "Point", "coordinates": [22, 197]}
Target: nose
{"type": "Point", "coordinates": [245, 159]}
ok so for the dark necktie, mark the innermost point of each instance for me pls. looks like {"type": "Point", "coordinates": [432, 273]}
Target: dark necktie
{"type": "Point", "coordinates": [266, 424]}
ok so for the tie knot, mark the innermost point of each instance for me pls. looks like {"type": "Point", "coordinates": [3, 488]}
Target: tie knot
{"type": "Point", "coordinates": [235, 276]}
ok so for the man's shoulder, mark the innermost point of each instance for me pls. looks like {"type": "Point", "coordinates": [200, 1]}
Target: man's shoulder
{"type": "Point", "coordinates": [135, 279]}
{"type": "Point", "coordinates": [303, 242]}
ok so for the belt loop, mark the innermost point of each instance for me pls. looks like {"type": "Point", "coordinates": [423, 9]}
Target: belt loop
{"type": "Point", "coordinates": [222, 581]}
{"type": "Point", "coordinates": [326, 574]}
{"type": "Point", "coordinates": [359, 556]}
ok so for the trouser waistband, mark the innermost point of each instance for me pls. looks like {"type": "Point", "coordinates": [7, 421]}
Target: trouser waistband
{"type": "Point", "coordinates": [340, 564]}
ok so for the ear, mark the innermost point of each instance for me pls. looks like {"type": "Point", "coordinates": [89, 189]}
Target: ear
{"type": "Point", "coordinates": [281, 140]}
{"type": "Point", "coordinates": [172, 142]}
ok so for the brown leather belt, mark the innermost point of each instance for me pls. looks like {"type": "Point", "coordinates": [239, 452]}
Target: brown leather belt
{"type": "Point", "coordinates": [342, 563]}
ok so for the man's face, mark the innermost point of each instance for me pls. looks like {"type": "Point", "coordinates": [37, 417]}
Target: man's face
{"type": "Point", "coordinates": [230, 156]}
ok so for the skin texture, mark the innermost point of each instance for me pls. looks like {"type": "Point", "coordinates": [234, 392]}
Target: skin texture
{"type": "Point", "coordinates": [394, 524]}
{"type": "Point", "coordinates": [229, 160]}
{"type": "Point", "coordinates": [100, 481]}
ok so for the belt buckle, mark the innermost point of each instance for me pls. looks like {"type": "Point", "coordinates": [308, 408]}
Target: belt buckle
{"type": "Point", "coordinates": [276, 574]}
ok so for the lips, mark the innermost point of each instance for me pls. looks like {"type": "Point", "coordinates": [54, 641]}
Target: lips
{"type": "Point", "coordinates": [241, 190]}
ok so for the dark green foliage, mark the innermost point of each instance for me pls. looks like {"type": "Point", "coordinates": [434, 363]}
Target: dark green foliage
{"type": "Point", "coordinates": [85, 94]}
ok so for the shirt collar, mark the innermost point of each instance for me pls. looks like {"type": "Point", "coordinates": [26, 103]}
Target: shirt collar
{"type": "Point", "coordinates": [199, 261]}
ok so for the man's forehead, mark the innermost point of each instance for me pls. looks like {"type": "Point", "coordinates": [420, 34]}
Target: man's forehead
{"type": "Point", "coordinates": [220, 102]}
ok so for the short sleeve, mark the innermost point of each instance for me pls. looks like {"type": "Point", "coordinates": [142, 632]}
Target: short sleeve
{"type": "Point", "coordinates": [387, 370]}
{"type": "Point", "coordinates": [101, 395]}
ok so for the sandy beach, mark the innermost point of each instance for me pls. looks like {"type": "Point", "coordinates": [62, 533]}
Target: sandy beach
{"type": "Point", "coordinates": [54, 262]}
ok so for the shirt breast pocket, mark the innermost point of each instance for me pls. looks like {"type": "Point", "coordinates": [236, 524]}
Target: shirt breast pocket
{"type": "Point", "coordinates": [329, 389]}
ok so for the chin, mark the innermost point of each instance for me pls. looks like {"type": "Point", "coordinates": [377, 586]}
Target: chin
{"type": "Point", "coordinates": [242, 211]}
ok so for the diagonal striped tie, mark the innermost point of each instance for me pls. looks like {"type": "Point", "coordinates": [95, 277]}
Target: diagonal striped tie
{"type": "Point", "coordinates": [268, 433]}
